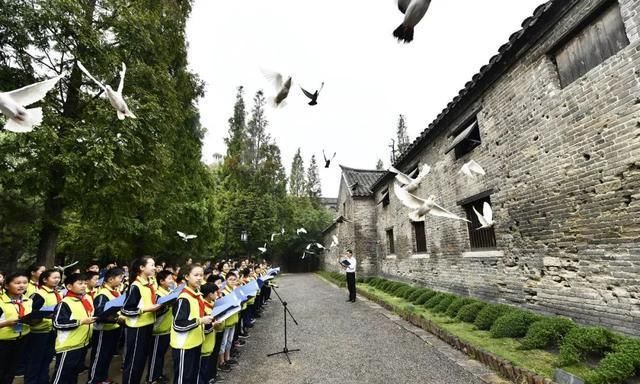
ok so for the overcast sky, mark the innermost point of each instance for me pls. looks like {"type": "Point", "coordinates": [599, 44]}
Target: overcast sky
{"type": "Point", "coordinates": [369, 77]}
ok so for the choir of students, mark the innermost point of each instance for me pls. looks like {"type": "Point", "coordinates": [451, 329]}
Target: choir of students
{"type": "Point", "coordinates": [44, 314]}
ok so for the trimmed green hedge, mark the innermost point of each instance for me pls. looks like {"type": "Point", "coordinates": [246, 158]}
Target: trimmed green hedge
{"type": "Point", "coordinates": [469, 312]}
{"type": "Point", "coordinates": [547, 333]}
{"type": "Point", "coordinates": [580, 342]}
{"type": "Point", "coordinates": [444, 304]}
{"type": "Point", "coordinates": [457, 304]}
{"type": "Point", "coordinates": [619, 365]}
{"type": "Point", "coordinates": [426, 296]}
{"type": "Point", "coordinates": [435, 300]}
{"type": "Point", "coordinates": [514, 324]}
{"type": "Point", "coordinates": [489, 314]}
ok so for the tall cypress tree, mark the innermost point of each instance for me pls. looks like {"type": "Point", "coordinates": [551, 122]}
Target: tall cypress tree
{"type": "Point", "coordinates": [379, 165]}
{"type": "Point", "coordinates": [403, 137]}
{"type": "Point", "coordinates": [297, 180]}
{"type": "Point", "coordinates": [313, 187]}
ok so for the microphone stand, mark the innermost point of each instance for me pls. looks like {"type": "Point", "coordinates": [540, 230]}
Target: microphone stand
{"type": "Point", "coordinates": [285, 311]}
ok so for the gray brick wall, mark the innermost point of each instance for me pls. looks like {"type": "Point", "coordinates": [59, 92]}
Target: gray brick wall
{"type": "Point", "coordinates": [564, 164]}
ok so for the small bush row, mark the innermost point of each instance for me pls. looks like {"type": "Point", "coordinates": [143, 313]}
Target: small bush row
{"type": "Point", "coordinates": [621, 355]}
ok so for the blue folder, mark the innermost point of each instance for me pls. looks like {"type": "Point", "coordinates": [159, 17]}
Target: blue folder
{"type": "Point", "coordinates": [112, 307]}
{"type": "Point", "coordinates": [172, 296]}
{"type": "Point", "coordinates": [250, 289]}
{"type": "Point", "coordinates": [345, 263]}
{"type": "Point", "coordinates": [273, 271]}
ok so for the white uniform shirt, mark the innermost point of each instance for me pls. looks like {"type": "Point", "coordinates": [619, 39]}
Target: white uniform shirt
{"type": "Point", "coordinates": [352, 264]}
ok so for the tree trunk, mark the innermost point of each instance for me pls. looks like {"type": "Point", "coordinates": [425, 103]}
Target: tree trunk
{"type": "Point", "coordinates": [54, 203]}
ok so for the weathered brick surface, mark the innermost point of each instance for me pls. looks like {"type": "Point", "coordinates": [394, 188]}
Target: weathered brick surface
{"type": "Point", "coordinates": [564, 164]}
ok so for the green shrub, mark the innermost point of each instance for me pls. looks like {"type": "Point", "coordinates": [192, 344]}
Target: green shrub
{"type": "Point", "coordinates": [375, 281]}
{"type": "Point", "coordinates": [619, 365]}
{"type": "Point", "coordinates": [580, 342]}
{"type": "Point", "coordinates": [435, 300]}
{"type": "Point", "coordinates": [428, 294]}
{"type": "Point", "coordinates": [368, 279]}
{"type": "Point", "coordinates": [458, 303]}
{"type": "Point", "coordinates": [444, 304]}
{"type": "Point", "coordinates": [416, 294]}
{"type": "Point", "coordinates": [399, 292]}
{"type": "Point", "coordinates": [547, 333]}
{"type": "Point", "coordinates": [489, 314]}
{"type": "Point", "coordinates": [514, 324]}
{"type": "Point", "coordinates": [469, 312]}
{"type": "Point", "coordinates": [383, 285]}
{"type": "Point", "coordinates": [408, 292]}
{"type": "Point", "coordinates": [393, 286]}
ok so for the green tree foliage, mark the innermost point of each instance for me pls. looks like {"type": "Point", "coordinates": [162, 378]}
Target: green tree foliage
{"type": "Point", "coordinates": [402, 136]}
{"type": "Point", "coordinates": [379, 165]}
{"type": "Point", "coordinates": [313, 188]}
{"type": "Point", "coordinates": [297, 183]}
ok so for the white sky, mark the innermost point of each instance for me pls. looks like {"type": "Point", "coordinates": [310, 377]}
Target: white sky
{"type": "Point", "coordinates": [369, 77]}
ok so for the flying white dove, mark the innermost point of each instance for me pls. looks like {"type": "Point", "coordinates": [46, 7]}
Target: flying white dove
{"type": "Point", "coordinates": [263, 249]}
{"type": "Point", "coordinates": [282, 86]}
{"type": "Point", "coordinates": [422, 207]}
{"type": "Point", "coordinates": [65, 267]}
{"type": "Point", "coordinates": [115, 97]}
{"type": "Point", "coordinates": [471, 168]}
{"type": "Point", "coordinates": [309, 246]}
{"type": "Point", "coordinates": [282, 231]}
{"type": "Point", "coordinates": [273, 235]}
{"type": "Point", "coordinates": [334, 241]}
{"type": "Point", "coordinates": [186, 237]}
{"type": "Point", "coordinates": [320, 246]}
{"type": "Point", "coordinates": [13, 103]}
{"type": "Point", "coordinates": [486, 219]}
{"type": "Point", "coordinates": [411, 184]}
{"type": "Point", "coordinates": [414, 11]}
{"type": "Point", "coordinates": [300, 230]}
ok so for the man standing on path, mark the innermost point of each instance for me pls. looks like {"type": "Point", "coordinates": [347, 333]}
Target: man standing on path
{"type": "Point", "coordinates": [349, 264]}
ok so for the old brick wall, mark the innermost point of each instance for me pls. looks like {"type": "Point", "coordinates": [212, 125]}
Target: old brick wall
{"type": "Point", "coordinates": [564, 164]}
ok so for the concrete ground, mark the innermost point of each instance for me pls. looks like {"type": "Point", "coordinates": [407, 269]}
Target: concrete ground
{"type": "Point", "coordinates": [339, 342]}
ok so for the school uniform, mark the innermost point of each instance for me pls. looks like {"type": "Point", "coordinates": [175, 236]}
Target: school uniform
{"type": "Point", "coordinates": [187, 336]}
{"type": "Point", "coordinates": [13, 338]}
{"type": "Point", "coordinates": [139, 329]}
{"type": "Point", "coordinates": [72, 337]}
{"type": "Point", "coordinates": [41, 343]}
{"type": "Point", "coordinates": [160, 343]}
{"type": "Point", "coordinates": [229, 326]}
{"type": "Point", "coordinates": [206, 360]}
{"type": "Point", "coordinates": [104, 342]}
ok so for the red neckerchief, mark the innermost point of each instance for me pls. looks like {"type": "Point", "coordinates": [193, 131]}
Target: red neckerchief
{"type": "Point", "coordinates": [21, 310]}
{"type": "Point", "coordinates": [114, 293]}
{"type": "Point", "coordinates": [58, 297]}
{"type": "Point", "coordinates": [150, 286]}
{"type": "Point", "coordinates": [208, 305]}
{"type": "Point", "coordinates": [201, 302]}
{"type": "Point", "coordinates": [88, 307]}
{"type": "Point", "coordinates": [92, 293]}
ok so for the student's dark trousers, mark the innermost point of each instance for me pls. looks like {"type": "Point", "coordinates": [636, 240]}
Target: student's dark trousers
{"type": "Point", "coordinates": [11, 352]}
{"type": "Point", "coordinates": [67, 366]}
{"type": "Point", "coordinates": [138, 341]}
{"type": "Point", "coordinates": [103, 347]}
{"type": "Point", "coordinates": [42, 348]}
{"type": "Point", "coordinates": [351, 285]}
{"type": "Point", "coordinates": [216, 352]}
{"type": "Point", "coordinates": [186, 365]}
{"type": "Point", "coordinates": [156, 357]}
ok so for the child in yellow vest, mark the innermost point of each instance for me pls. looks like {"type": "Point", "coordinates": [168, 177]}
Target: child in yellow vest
{"type": "Point", "coordinates": [187, 332]}
{"type": "Point", "coordinates": [209, 293]}
{"type": "Point", "coordinates": [13, 306]}
{"type": "Point", "coordinates": [161, 330]}
{"type": "Point", "coordinates": [224, 357]}
{"type": "Point", "coordinates": [139, 309]}
{"type": "Point", "coordinates": [43, 337]}
{"type": "Point", "coordinates": [73, 320]}
{"type": "Point", "coordinates": [34, 272]}
{"type": "Point", "coordinates": [106, 332]}
{"type": "Point", "coordinates": [92, 283]}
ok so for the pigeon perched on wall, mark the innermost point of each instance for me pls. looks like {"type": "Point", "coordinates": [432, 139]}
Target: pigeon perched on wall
{"type": "Point", "coordinates": [486, 219]}
{"type": "Point", "coordinates": [313, 96]}
{"type": "Point", "coordinates": [471, 169]}
{"type": "Point", "coordinates": [411, 184]}
{"type": "Point", "coordinates": [282, 86]}
{"type": "Point", "coordinates": [414, 11]}
{"type": "Point", "coordinates": [115, 97]}
{"type": "Point", "coordinates": [13, 103]}
{"type": "Point", "coordinates": [186, 237]}
{"type": "Point", "coordinates": [327, 161]}
{"type": "Point", "coordinates": [422, 207]}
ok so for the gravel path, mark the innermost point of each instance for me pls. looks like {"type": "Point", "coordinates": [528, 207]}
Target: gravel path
{"type": "Point", "coordinates": [342, 342]}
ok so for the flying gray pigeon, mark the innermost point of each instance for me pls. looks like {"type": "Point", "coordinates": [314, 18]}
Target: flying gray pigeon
{"type": "Point", "coordinates": [13, 103]}
{"type": "Point", "coordinates": [327, 161]}
{"type": "Point", "coordinates": [414, 11]}
{"type": "Point", "coordinates": [282, 86]}
{"type": "Point", "coordinates": [313, 96]}
{"type": "Point", "coordinates": [115, 97]}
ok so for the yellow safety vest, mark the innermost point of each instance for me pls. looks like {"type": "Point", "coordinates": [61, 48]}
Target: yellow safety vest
{"type": "Point", "coordinates": [232, 320]}
{"type": "Point", "coordinates": [50, 298]}
{"type": "Point", "coordinates": [144, 318]}
{"type": "Point", "coordinates": [193, 337]}
{"type": "Point", "coordinates": [79, 337]}
{"type": "Point", "coordinates": [105, 326]}
{"type": "Point", "coordinates": [209, 334]}
{"type": "Point", "coordinates": [162, 325]}
{"type": "Point", "coordinates": [10, 312]}
{"type": "Point", "coordinates": [31, 288]}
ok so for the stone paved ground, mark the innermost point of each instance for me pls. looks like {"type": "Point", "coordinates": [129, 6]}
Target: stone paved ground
{"type": "Point", "coordinates": [342, 342]}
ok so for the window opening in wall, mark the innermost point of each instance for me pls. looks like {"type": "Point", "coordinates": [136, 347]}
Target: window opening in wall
{"type": "Point", "coordinates": [479, 238]}
{"type": "Point", "coordinates": [420, 235]}
{"type": "Point", "coordinates": [467, 140]}
{"type": "Point", "coordinates": [385, 197]}
{"type": "Point", "coordinates": [600, 37]}
{"type": "Point", "coordinates": [391, 247]}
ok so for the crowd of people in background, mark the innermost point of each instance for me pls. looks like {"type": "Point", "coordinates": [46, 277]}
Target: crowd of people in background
{"type": "Point", "coordinates": [82, 333]}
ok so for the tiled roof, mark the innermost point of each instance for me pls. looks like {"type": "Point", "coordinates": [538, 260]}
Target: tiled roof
{"type": "Point", "coordinates": [359, 181]}
{"type": "Point", "coordinates": [545, 16]}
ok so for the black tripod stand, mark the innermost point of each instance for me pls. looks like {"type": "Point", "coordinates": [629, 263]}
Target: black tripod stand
{"type": "Point", "coordinates": [285, 310]}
